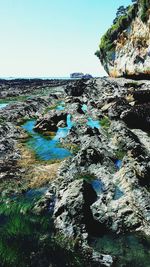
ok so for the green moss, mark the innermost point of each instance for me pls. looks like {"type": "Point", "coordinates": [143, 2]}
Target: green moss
{"type": "Point", "coordinates": [88, 177]}
{"type": "Point", "coordinates": [107, 45]}
{"type": "Point", "coordinates": [20, 231]}
{"type": "Point", "coordinates": [28, 240]}
{"type": "Point", "coordinates": [2, 121]}
{"type": "Point", "coordinates": [52, 107]}
{"type": "Point", "coordinates": [68, 245]}
{"type": "Point", "coordinates": [120, 153]}
{"type": "Point", "coordinates": [14, 99]}
{"type": "Point", "coordinates": [105, 123]}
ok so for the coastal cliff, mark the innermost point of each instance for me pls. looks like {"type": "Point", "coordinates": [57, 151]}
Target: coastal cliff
{"type": "Point", "coordinates": [124, 50]}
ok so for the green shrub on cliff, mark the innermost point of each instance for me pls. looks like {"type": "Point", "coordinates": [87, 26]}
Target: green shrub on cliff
{"type": "Point", "coordinates": [124, 16]}
{"type": "Point", "coordinates": [145, 4]}
{"type": "Point", "coordinates": [107, 41]}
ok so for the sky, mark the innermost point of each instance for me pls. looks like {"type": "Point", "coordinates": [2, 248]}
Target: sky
{"type": "Point", "coordinates": [43, 38]}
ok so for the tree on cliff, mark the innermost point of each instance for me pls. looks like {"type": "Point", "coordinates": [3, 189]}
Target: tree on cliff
{"type": "Point", "coordinates": [121, 11]}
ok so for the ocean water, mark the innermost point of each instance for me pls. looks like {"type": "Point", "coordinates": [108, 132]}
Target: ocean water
{"type": "Point", "coordinates": [36, 77]}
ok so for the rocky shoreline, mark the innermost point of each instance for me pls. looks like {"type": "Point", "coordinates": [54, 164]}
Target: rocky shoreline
{"type": "Point", "coordinates": [102, 189]}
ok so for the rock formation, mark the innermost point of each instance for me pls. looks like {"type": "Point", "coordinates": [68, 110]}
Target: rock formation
{"type": "Point", "coordinates": [125, 48]}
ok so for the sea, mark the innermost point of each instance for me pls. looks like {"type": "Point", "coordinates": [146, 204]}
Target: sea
{"type": "Point", "coordinates": [42, 78]}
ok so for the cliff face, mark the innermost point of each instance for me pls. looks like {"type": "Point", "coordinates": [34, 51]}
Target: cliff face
{"type": "Point", "coordinates": [125, 48]}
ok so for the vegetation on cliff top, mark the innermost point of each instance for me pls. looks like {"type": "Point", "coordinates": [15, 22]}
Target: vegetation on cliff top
{"type": "Point", "coordinates": [145, 4]}
{"type": "Point", "coordinates": [124, 16]}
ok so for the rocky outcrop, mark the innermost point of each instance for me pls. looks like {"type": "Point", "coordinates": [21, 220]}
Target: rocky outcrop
{"type": "Point", "coordinates": [51, 121]}
{"type": "Point", "coordinates": [125, 48]}
{"type": "Point", "coordinates": [75, 88]}
{"type": "Point", "coordinates": [15, 112]}
{"type": "Point", "coordinates": [103, 188]}
{"type": "Point", "coordinates": [24, 87]}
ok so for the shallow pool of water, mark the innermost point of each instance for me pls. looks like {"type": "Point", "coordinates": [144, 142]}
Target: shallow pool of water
{"type": "Point", "coordinates": [35, 192]}
{"type": "Point", "coordinates": [130, 250]}
{"type": "Point", "coordinates": [118, 163]}
{"type": "Point", "coordinates": [93, 123]}
{"type": "Point", "coordinates": [118, 193]}
{"type": "Point", "coordinates": [60, 106]}
{"type": "Point", "coordinates": [98, 186]}
{"type": "Point", "coordinates": [46, 148]}
{"type": "Point", "coordinates": [84, 108]}
{"type": "Point", "coordinates": [3, 105]}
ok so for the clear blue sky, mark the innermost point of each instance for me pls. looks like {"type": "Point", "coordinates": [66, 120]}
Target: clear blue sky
{"type": "Point", "coordinates": [53, 37]}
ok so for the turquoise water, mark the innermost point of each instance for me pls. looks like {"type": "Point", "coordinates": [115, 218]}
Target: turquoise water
{"type": "Point", "coordinates": [118, 163]}
{"type": "Point", "coordinates": [84, 108]}
{"type": "Point", "coordinates": [3, 105]}
{"type": "Point", "coordinates": [93, 123]}
{"type": "Point", "coordinates": [118, 193]}
{"type": "Point", "coordinates": [98, 186]}
{"type": "Point", "coordinates": [60, 106]}
{"type": "Point", "coordinates": [46, 148]}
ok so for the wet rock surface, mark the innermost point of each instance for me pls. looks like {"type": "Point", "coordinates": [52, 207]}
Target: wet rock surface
{"type": "Point", "coordinates": [104, 186]}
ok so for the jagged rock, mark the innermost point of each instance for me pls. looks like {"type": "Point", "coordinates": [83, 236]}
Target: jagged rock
{"type": "Point", "coordinates": [116, 110]}
{"type": "Point", "coordinates": [50, 121]}
{"type": "Point", "coordinates": [75, 88]}
{"type": "Point", "coordinates": [19, 111]}
{"type": "Point", "coordinates": [93, 195]}
{"type": "Point", "coordinates": [17, 87]}
{"type": "Point", "coordinates": [137, 117]}
{"type": "Point", "coordinates": [61, 124]}
{"type": "Point", "coordinates": [68, 212]}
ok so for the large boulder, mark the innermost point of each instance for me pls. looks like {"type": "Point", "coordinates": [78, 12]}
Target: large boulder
{"type": "Point", "coordinates": [50, 121]}
{"type": "Point", "coordinates": [75, 88]}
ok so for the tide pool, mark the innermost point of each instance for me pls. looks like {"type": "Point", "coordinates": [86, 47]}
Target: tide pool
{"type": "Point", "coordinates": [84, 108]}
{"type": "Point", "coordinates": [98, 186]}
{"type": "Point", "coordinates": [93, 123]}
{"type": "Point", "coordinates": [47, 148]}
{"type": "Point", "coordinates": [118, 163]}
{"type": "Point", "coordinates": [129, 249]}
{"type": "Point", "coordinates": [3, 105]}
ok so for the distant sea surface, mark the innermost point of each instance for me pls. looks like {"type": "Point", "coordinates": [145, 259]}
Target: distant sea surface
{"type": "Point", "coordinates": [42, 78]}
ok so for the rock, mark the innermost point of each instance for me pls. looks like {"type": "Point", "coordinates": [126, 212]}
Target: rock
{"type": "Point", "coordinates": [124, 52]}
{"type": "Point", "coordinates": [49, 122]}
{"type": "Point", "coordinates": [19, 111]}
{"type": "Point", "coordinates": [137, 117]}
{"type": "Point", "coordinates": [61, 124]}
{"type": "Point", "coordinates": [18, 87]}
{"type": "Point", "coordinates": [116, 110]}
{"type": "Point", "coordinates": [92, 194]}
{"type": "Point", "coordinates": [76, 75]}
{"type": "Point", "coordinates": [68, 212]}
{"type": "Point", "coordinates": [75, 88]}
